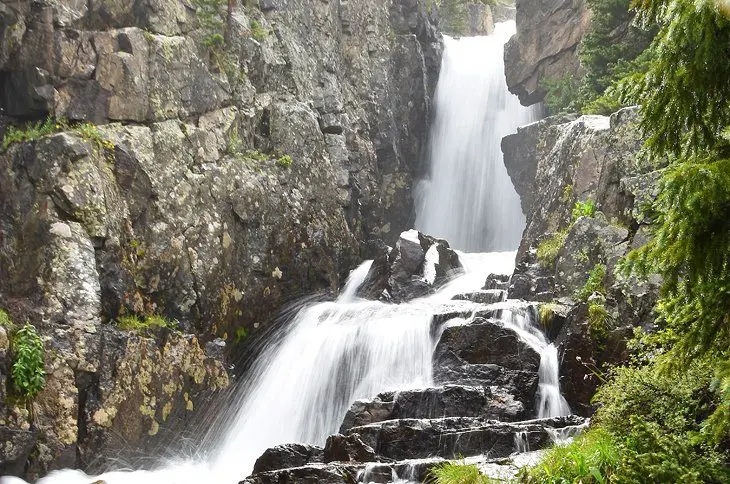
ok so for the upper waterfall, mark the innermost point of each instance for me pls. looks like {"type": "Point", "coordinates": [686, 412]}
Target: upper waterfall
{"type": "Point", "coordinates": [468, 198]}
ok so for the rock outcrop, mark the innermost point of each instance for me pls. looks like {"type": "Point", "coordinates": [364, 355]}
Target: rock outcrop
{"type": "Point", "coordinates": [215, 184]}
{"type": "Point", "coordinates": [591, 159]}
{"type": "Point", "coordinates": [546, 45]}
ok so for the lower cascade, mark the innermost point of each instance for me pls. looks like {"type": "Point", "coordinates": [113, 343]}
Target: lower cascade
{"type": "Point", "coordinates": [421, 358]}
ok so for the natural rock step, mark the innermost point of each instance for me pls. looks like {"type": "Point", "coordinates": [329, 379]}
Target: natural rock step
{"type": "Point", "coordinates": [453, 437]}
{"type": "Point", "coordinates": [490, 402]}
{"type": "Point", "coordinates": [333, 473]}
{"type": "Point", "coordinates": [485, 296]}
{"type": "Point", "coordinates": [484, 342]}
{"type": "Point", "coordinates": [288, 455]}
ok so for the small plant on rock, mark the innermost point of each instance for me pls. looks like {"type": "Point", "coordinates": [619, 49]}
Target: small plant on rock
{"type": "Point", "coordinates": [584, 209]}
{"type": "Point", "coordinates": [284, 161]}
{"type": "Point", "coordinates": [595, 283]}
{"type": "Point", "coordinates": [547, 250]}
{"type": "Point", "coordinates": [258, 32]}
{"type": "Point", "coordinates": [27, 370]}
{"type": "Point", "coordinates": [135, 323]}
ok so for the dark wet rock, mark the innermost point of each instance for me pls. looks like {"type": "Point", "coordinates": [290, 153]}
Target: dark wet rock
{"type": "Point", "coordinates": [15, 450]}
{"type": "Point", "coordinates": [520, 384]}
{"type": "Point", "coordinates": [455, 437]}
{"type": "Point", "coordinates": [484, 342]}
{"type": "Point", "coordinates": [312, 473]}
{"type": "Point", "coordinates": [496, 281]}
{"type": "Point", "coordinates": [286, 456]}
{"type": "Point", "coordinates": [446, 401]}
{"type": "Point", "coordinates": [417, 266]}
{"type": "Point", "coordinates": [485, 296]}
{"type": "Point", "coordinates": [347, 448]}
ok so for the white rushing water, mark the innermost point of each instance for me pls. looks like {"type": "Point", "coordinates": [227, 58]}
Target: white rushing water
{"type": "Point", "coordinates": [468, 198]}
{"type": "Point", "coordinates": [332, 353]}
{"type": "Point", "coordinates": [300, 388]}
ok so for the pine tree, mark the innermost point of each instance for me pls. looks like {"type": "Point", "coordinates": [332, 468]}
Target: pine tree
{"type": "Point", "coordinates": [685, 99]}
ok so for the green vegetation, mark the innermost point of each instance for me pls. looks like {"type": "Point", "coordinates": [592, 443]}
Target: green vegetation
{"type": "Point", "coordinates": [668, 410]}
{"type": "Point", "coordinates": [454, 14]}
{"type": "Point", "coordinates": [547, 250]}
{"type": "Point", "coordinates": [257, 31]}
{"type": "Point", "coordinates": [458, 473]}
{"type": "Point", "coordinates": [136, 323]}
{"type": "Point", "coordinates": [590, 458]}
{"type": "Point", "coordinates": [614, 47]}
{"type": "Point", "coordinates": [34, 131]}
{"type": "Point", "coordinates": [27, 370]}
{"type": "Point", "coordinates": [284, 161]}
{"type": "Point", "coordinates": [240, 335]}
{"type": "Point", "coordinates": [546, 312]}
{"type": "Point", "coordinates": [584, 209]}
{"type": "Point", "coordinates": [5, 321]}
{"type": "Point", "coordinates": [598, 319]}
{"type": "Point", "coordinates": [594, 284]}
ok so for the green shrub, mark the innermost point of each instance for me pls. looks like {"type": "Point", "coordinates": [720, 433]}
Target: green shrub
{"type": "Point", "coordinates": [584, 209]}
{"type": "Point", "coordinates": [591, 458]}
{"type": "Point", "coordinates": [258, 32]}
{"type": "Point", "coordinates": [457, 473]}
{"type": "Point", "coordinates": [27, 370]}
{"type": "Point", "coordinates": [594, 283]}
{"type": "Point", "coordinates": [547, 250]}
{"type": "Point", "coordinates": [598, 319]}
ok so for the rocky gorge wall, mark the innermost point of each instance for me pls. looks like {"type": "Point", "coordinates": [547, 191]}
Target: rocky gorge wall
{"type": "Point", "coordinates": [566, 259]}
{"type": "Point", "coordinates": [546, 45]}
{"type": "Point", "coordinates": [217, 185]}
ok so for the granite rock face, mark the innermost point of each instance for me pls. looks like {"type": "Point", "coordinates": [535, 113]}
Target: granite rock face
{"type": "Point", "coordinates": [571, 160]}
{"type": "Point", "coordinates": [546, 45]}
{"type": "Point", "coordinates": [216, 186]}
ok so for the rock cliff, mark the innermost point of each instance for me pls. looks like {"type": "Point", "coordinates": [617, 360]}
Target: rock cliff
{"type": "Point", "coordinates": [587, 214]}
{"type": "Point", "coordinates": [546, 45]}
{"type": "Point", "coordinates": [217, 182]}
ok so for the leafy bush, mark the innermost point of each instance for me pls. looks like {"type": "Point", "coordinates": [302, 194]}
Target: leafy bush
{"type": "Point", "coordinates": [594, 283]}
{"type": "Point", "coordinates": [547, 250]}
{"type": "Point", "coordinates": [27, 370]}
{"type": "Point", "coordinates": [458, 473]}
{"type": "Point", "coordinates": [584, 209]}
{"type": "Point", "coordinates": [30, 133]}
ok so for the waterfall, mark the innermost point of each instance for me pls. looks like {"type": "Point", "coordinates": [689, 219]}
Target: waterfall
{"type": "Point", "coordinates": [332, 353]}
{"type": "Point", "coordinates": [468, 198]}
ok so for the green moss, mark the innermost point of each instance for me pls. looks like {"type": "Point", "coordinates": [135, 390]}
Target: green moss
{"type": "Point", "coordinates": [598, 319]}
{"type": "Point", "coordinates": [547, 250]}
{"type": "Point", "coordinates": [135, 323]}
{"type": "Point", "coordinates": [546, 312]}
{"type": "Point", "coordinates": [6, 321]}
{"type": "Point", "coordinates": [87, 131]}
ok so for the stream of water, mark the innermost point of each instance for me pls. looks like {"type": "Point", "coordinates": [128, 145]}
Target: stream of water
{"type": "Point", "coordinates": [333, 353]}
{"type": "Point", "coordinates": [468, 198]}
